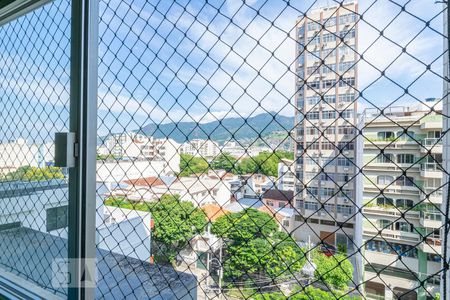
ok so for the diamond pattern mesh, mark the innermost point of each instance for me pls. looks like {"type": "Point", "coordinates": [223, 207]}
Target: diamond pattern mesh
{"type": "Point", "coordinates": [246, 149]}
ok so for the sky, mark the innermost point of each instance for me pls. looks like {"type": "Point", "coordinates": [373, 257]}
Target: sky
{"type": "Point", "coordinates": [172, 61]}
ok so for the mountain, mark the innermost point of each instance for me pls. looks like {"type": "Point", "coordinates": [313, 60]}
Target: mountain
{"type": "Point", "coordinates": [238, 128]}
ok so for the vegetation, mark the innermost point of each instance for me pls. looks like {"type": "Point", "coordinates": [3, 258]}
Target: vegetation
{"type": "Point", "coordinates": [256, 248]}
{"type": "Point", "coordinates": [28, 173]}
{"type": "Point", "coordinates": [192, 165]}
{"type": "Point", "coordinates": [265, 163]}
{"type": "Point", "coordinates": [224, 161]}
{"type": "Point", "coordinates": [176, 222]}
{"type": "Point", "coordinates": [106, 157]}
{"type": "Point", "coordinates": [236, 128]}
{"type": "Point", "coordinates": [335, 271]}
{"type": "Point", "coordinates": [308, 293]}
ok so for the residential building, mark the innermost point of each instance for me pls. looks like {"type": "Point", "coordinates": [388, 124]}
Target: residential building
{"type": "Point", "coordinates": [135, 146]}
{"type": "Point", "coordinates": [198, 190]}
{"type": "Point", "coordinates": [195, 255]}
{"type": "Point", "coordinates": [201, 148]}
{"type": "Point", "coordinates": [254, 185]}
{"type": "Point", "coordinates": [326, 101]}
{"type": "Point", "coordinates": [286, 175]}
{"type": "Point", "coordinates": [278, 198]}
{"type": "Point", "coordinates": [49, 214]}
{"type": "Point", "coordinates": [25, 154]}
{"type": "Point", "coordinates": [402, 200]}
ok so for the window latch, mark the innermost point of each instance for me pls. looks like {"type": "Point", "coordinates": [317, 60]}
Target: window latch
{"type": "Point", "coordinates": [65, 149]}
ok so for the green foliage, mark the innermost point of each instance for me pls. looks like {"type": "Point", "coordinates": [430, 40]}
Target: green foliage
{"type": "Point", "coordinates": [245, 225]}
{"type": "Point", "coordinates": [342, 248]}
{"type": "Point", "coordinates": [176, 222]}
{"type": "Point", "coordinates": [28, 173]}
{"type": "Point", "coordinates": [309, 293]}
{"type": "Point", "coordinates": [335, 270]}
{"type": "Point", "coordinates": [224, 161]}
{"type": "Point", "coordinates": [106, 157]}
{"type": "Point", "coordinates": [265, 162]}
{"type": "Point", "coordinates": [256, 247]}
{"type": "Point", "coordinates": [192, 165]}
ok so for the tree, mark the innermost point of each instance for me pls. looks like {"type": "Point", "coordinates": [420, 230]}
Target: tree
{"type": "Point", "coordinates": [255, 246]}
{"type": "Point", "coordinates": [176, 223]}
{"type": "Point", "coordinates": [192, 165]}
{"type": "Point", "coordinates": [265, 162]}
{"type": "Point", "coordinates": [224, 161]}
{"type": "Point", "coordinates": [335, 271]}
{"type": "Point", "coordinates": [309, 293]}
{"type": "Point", "coordinates": [244, 225]}
{"type": "Point", "coordinates": [27, 173]}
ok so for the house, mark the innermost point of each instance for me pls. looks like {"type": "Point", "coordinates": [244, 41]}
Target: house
{"type": "Point", "coordinates": [286, 175]}
{"type": "Point", "coordinates": [203, 247]}
{"type": "Point", "coordinates": [200, 190]}
{"type": "Point", "coordinates": [256, 184]}
{"type": "Point", "coordinates": [278, 198]}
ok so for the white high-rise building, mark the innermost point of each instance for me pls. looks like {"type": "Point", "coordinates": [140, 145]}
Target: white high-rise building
{"type": "Point", "coordinates": [326, 118]}
{"type": "Point", "coordinates": [201, 148]}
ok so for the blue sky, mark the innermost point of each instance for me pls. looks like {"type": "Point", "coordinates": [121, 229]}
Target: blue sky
{"type": "Point", "coordinates": [163, 61]}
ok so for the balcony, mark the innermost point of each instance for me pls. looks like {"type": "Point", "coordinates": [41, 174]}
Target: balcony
{"type": "Point", "coordinates": [432, 144]}
{"type": "Point", "coordinates": [431, 245]}
{"type": "Point", "coordinates": [432, 195]}
{"type": "Point", "coordinates": [392, 235]}
{"type": "Point", "coordinates": [391, 212]}
{"type": "Point", "coordinates": [431, 219]}
{"type": "Point", "coordinates": [431, 170]}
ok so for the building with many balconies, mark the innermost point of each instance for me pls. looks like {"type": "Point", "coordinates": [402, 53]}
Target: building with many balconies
{"type": "Point", "coordinates": [402, 200]}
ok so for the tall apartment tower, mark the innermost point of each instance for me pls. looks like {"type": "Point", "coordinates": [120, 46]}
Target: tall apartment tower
{"type": "Point", "coordinates": [326, 128]}
{"type": "Point", "coordinates": [402, 213]}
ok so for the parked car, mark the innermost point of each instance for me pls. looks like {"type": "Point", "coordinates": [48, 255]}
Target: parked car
{"type": "Point", "coordinates": [327, 249]}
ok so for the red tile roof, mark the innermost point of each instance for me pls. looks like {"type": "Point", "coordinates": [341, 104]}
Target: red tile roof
{"type": "Point", "coordinates": [279, 195]}
{"type": "Point", "coordinates": [214, 211]}
{"type": "Point", "coordinates": [149, 181]}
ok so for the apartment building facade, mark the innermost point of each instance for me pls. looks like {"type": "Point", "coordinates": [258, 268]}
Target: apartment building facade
{"type": "Point", "coordinates": [201, 148]}
{"type": "Point", "coordinates": [326, 102]}
{"type": "Point", "coordinates": [402, 201]}
{"type": "Point", "coordinates": [132, 145]}
{"type": "Point", "coordinates": [286, 175]}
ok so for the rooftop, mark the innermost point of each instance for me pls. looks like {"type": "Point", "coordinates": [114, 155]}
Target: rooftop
{"type": "Point", "coordinates": [280, 195]}
{"type": "Point", "coordinates": [32, 252]}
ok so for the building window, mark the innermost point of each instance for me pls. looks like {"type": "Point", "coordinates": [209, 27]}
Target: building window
{"type": "Point", "coordinates": [384, 224]}
{"type": "Point", "coordinates": [328, 37]}
{"type": "Point", "coordinates": [405, 158]}
{"type": "Point", "coordinates": [385, 179]}
{"type": "Point", "coordinates": [330, 22]}
{"type": "Point", "coordinates": [404, 203]}
{"type": "Point", "coordinates": [57, 218]}
{"type": "Point", "coordinates": [385, 201]}
{"type": "Point", "coordinates": [405, 181]}
{"type": "Point", "coordinates": [386, 135]}
{"type": "Point", "coordinates": [385, 158]}
{"type": "Point", "coordinates": [329, 114]}
{"type": "Point", "coordinates": [347, 18]}
{"type": "Point", "coordinates": [404, 226]}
